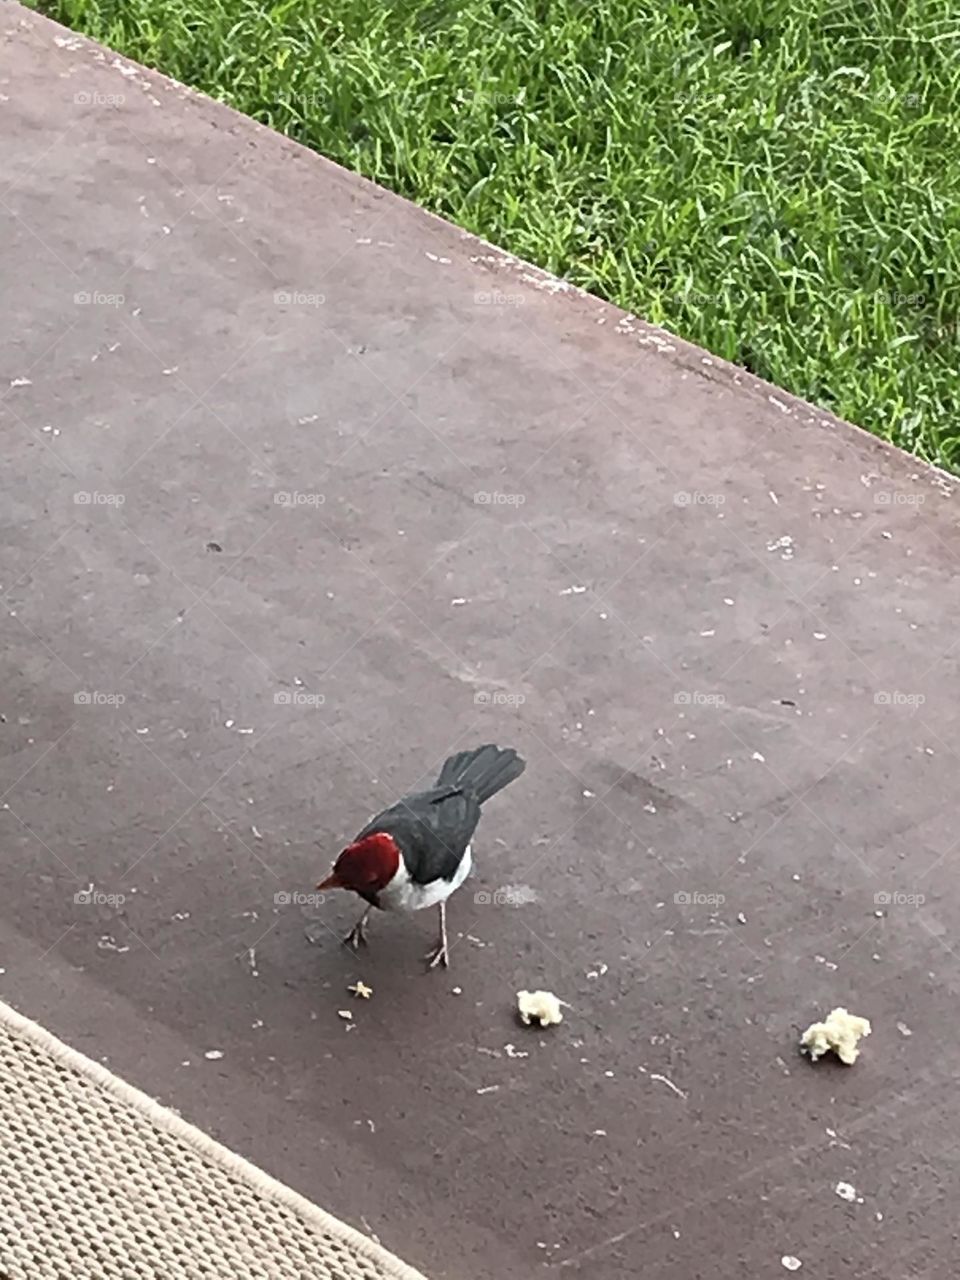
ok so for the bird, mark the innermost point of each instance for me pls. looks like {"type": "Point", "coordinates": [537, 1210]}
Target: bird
{"type": "Point", "coordinates": [417, 853]}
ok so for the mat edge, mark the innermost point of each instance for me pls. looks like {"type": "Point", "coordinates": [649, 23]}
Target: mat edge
{"type": "Point", "coordinates": [239, 1166]}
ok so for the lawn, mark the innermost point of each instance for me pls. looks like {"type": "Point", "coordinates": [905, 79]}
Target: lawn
{"type": "Point", "coordinates": [777, 181]}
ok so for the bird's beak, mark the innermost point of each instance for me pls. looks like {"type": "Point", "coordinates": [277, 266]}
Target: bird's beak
{"type": "Point", "coordinates": [332, 882]}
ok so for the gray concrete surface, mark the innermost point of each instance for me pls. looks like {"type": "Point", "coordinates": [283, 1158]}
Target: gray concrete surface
{"type": "Point", "coordinates": [720, 625]}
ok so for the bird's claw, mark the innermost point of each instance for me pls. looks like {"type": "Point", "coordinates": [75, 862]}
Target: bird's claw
{"type": "Point", "coordinates": [438, 956]}
{"type": "Point", "coordinates": [356, 938]}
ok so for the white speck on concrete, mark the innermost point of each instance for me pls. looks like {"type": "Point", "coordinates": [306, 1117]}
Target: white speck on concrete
{"type": "Point", "coordinates": [213, 1055]}
{"type": "Point", "coordinates": [904, 1029]}
{"type": "Point", "coordinates": [790, 1262]}
{"type": "Point", "coordinates": [846, 1191]}
{"type": "Point", "coordinates": [573, 591]}
{"type": "Point", "coordinates": [669, 1083]}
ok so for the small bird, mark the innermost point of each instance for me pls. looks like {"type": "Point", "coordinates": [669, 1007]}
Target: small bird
{"type": "Point", "coordinates": [417, 852]}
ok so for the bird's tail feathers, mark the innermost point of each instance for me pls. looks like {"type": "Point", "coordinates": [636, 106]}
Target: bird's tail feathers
{"type": "Point", "coordinates": [484, 770]}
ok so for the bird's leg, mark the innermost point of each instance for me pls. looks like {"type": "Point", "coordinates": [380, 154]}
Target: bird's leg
{"type": "Point", "coordinates": [357, 937]}
{"type": "Point", "coordinates": [439, 954]}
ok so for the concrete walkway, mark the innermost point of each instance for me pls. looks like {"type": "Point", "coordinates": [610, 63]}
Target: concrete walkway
{"type": "Point", "coordinates": [720, 625]}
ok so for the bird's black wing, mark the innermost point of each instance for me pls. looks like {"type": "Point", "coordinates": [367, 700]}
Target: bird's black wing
{"type": "Point", "coordinates": [432, 829]}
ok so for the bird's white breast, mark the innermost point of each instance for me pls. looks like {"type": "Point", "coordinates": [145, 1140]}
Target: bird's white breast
{"type": "Point", "coordinates": [404, 894]}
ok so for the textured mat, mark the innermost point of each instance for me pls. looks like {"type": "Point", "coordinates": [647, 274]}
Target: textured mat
{"type": "Point", "coordinates": [99, 1182]}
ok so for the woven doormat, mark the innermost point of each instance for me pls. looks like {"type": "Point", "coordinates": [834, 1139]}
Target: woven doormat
{"type": "Point", "coordinates": [99, 1182]}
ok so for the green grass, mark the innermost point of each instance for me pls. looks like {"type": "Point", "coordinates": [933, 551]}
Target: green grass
{"type": "Point", "coordinates": [775, 180]}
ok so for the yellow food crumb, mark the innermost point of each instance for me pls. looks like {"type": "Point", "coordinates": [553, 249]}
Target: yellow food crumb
{"type": "Point", "coordinates": [540, 1007]}
{"type": "Point", "coordinates": [841, 1032]}
{"type": "Point", "coordinates": [361, 990]}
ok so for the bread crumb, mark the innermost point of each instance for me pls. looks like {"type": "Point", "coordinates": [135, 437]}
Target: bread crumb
{"type": "Point", "coordinates": [361, 990]}
{"type": "Point", "coordinates": [345, 1014]}
{"type": "Point", "coordinates": [540, 1008]}
{"type": "Point", "coordinates": [841, 1032]}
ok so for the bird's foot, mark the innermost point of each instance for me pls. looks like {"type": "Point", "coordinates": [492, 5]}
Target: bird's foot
{"type": "Point", "coordinates": [357, 937]}
{"type": "Point", "coordinates": [438, 956]}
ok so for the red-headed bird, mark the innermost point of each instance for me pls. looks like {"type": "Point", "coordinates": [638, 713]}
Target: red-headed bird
{"type": "Point", "coordinates": [416, 853]}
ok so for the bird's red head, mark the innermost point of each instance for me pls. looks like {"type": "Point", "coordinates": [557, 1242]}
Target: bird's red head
{"type": "Point", "coordinates": [366, 866]}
